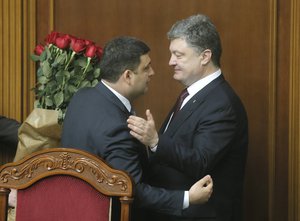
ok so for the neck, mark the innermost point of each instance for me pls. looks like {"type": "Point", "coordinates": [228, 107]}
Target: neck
{"type": "Point", "coordinates": [117, 86]}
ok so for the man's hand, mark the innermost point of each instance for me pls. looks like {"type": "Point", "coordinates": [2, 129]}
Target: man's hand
{"type": "Point", "coordinates": [143, 130]}
{"type": "Point", "coordinates": [201, 191]}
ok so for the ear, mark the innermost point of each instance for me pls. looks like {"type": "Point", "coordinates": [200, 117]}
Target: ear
{"type": "Point", "coordinates": [127, 76]}
{"type": "Point", "coordinates": [206, 56]}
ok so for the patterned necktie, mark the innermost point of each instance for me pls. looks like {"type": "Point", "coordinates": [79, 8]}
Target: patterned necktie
{"type": "Point", "coordinates": [179, 101]}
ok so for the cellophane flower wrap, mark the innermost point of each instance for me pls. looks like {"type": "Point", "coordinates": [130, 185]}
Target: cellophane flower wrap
{"type": "Point", "coordinates": [66, 64]}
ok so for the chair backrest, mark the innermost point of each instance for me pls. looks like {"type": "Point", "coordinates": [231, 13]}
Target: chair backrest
{"type": "Point", "coordinates": [64, 184]}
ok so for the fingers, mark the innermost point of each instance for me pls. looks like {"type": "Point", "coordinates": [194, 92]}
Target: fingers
{"type": "Point", "coordinates": [136, 135]}
{"type": "Point", "coordinates": [149, 115]}
{"type": "Point", "coordinates": [207, 180]}
{"type": "Point", "coordinates": [201, 191]}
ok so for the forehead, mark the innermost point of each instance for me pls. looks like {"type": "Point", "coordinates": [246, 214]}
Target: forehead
{"type": "Point", "coordinates": [180, 45]}
{"type": "Point", "coordinates": [144, 60]}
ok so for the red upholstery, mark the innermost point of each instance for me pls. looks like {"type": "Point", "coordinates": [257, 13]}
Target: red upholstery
{"type": "Point", "coordinates": [62, 198]}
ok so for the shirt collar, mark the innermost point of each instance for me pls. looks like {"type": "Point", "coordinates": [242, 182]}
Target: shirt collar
{"type": "Point", "coordinates": [198, 85]}
{"type": "Point", "coordinates": [123, 99]}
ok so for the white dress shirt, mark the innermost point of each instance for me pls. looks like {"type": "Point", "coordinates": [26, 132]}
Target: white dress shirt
{"type": "Point", "coordinates": [123, 99]}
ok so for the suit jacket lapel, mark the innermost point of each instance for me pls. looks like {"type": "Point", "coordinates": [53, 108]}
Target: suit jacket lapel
{"type": "Point", "coordinates": [190, 107]}
{"type": "Point", "coordinates": [100, 87]}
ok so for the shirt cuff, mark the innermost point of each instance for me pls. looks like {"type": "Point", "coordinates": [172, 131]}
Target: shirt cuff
{"type": "Point", "coordinates": [153, 149]}
{"type": "Point", "coordinates": [186, 200]}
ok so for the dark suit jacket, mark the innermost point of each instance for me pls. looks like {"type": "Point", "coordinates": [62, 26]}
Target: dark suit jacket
{"type": "Point", "coordinates": [8, 139]}
{"type": "Point", "coordinates": [9, 131]}
{"type": "Point", "coordinates": [96, 121]}
{"type": "Point", "coordinates": [208, 136]}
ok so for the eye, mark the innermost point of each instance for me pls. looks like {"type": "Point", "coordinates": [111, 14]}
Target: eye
{"type": "Point", "coordinates": [178, 55]}
{"type": "Point", "coordinates": [147, 68]}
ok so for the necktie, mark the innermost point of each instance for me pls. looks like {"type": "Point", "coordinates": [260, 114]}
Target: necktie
{"type": "Point", "coordinates": [179, 101]}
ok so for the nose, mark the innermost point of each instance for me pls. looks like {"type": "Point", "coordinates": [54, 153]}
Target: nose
{"type": "Point", "coordinates": [172, 61]}
{"type": "Point", "coordinates": [151, 72]}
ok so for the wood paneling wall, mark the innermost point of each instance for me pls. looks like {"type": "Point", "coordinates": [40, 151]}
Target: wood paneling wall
{"type": "Point", "coordinates": [294, 110]}
{"type": "Point", "coordinates": [17, 39]}
{"type": "Point", "coordinates": [10, 49]}
{"type": "Point", "coordinates": [260, 59]}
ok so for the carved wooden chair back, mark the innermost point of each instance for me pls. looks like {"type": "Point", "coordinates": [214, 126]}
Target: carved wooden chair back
{"type": "Point", "coordinates": [65, 184]}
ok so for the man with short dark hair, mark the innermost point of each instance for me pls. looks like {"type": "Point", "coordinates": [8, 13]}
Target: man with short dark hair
{"type": "Point", "coordinates": [96, 122]}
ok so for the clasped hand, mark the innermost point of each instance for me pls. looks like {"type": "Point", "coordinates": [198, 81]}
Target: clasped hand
{"type": "Point", "coordinates": [143, 129]}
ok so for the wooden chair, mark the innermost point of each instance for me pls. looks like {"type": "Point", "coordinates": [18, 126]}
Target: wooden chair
{"type": "Point", "coordinates": [64, 184]}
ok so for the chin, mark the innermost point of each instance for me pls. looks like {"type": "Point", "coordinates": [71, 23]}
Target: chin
{"type": "Point", "coordinates": [177, 77]}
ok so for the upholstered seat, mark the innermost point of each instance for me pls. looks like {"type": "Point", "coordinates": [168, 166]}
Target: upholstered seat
{"type": "Point", "coordinates": [64, 184]}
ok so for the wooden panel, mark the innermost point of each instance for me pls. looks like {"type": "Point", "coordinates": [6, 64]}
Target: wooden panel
{"type": "Point", "coordinates": [280, 200]}
{"type": "Point", "coordinates": [29, 42]}
{"type": "Point", "coordinates": [10, 57]}
{"type": "Point", "coordinates": [294, 136]}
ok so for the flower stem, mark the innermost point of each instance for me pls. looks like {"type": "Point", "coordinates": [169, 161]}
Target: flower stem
{"type": "Point", "coordinates": [71, 58]}
{"type": "Point", "coordinates": [84, 72]}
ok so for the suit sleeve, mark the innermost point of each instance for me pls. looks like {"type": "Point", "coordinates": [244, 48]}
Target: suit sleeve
{"type": "Point", "coordinates": [124, 152]}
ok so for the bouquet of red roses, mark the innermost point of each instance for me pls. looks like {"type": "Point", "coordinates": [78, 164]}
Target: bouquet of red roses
{"type": "Point", "coordinates": [66, 64]}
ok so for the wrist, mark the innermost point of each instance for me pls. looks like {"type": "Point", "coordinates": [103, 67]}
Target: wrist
{"type": "Point", "coordinates": [154, 143]}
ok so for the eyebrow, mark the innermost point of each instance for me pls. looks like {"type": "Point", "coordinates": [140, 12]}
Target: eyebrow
{"type": "Point", "coordinates": [147, 64]}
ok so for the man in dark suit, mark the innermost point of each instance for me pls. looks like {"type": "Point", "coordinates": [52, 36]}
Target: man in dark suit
{"type": "Point", "coordinates": [209, 133]}
{"type": "Point", "coordinates": [96, 118]}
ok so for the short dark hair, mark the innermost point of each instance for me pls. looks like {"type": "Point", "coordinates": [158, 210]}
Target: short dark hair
{"type": "Point", "coordinates": [120, 54]}
{"type": "Point", "coordinates": [200, 33]}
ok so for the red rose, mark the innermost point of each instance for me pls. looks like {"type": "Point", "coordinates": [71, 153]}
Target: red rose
{"type": "Point", "coordinates": [99, 52]}
{"type": "Point", "coordinates": [72, 40]}
{"type": "Point", "coordinates": [62, 42]}
{"type": "Point", "coordinates": [88, 42]}
{"type": "Point", "coordinates": [39, 49]}
{"type": "Point", "coordinates": [51, 38]}
{"type": "Point", "coordinates": [90, 51]}
{"type": "Point", "coordinates": [78, 45]}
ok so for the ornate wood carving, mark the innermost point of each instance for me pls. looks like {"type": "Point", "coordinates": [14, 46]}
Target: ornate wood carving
{"type": "Point", "coordinates": [63, 162]}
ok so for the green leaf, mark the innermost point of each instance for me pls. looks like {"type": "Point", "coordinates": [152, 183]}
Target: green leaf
{"type": "Point", "coordinates": [35, 57]}
{"type": "Point", "coordinates": [82, 62]}
{"type": "Point", "coordinates": [59, 76]}
{"type": "Point", "coordinates": [39, 72]}
{"type": "Point", "coordinates": [95, 82]}
{"type": "Point", "coordinates": [49, 101]}
{"type": "Point", "coordinates": [46, 69]}
{"type": "Point", "coordinates": [36, 104]}
{"type": "Point", "coordinates": [85, 83]}
{"type": "Point", "coordinates": [67, 75]}
{"type": "Point", "coordinates": [58, 99]}
{"type": "Point", "coordinates": [97, 72]}
{"type": "Point", "coordinates": [43, 56]}
{"type": "Point", "coordinates": [42, 80]}
{"type": "Point", "coordinates": [61, 59]}
{"type": "Point", "coordinates": [47, 52]}
{"type": "Point", "coordinates": [72, 89]}
{"type": "Point", "coordinates": [52, 85]}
